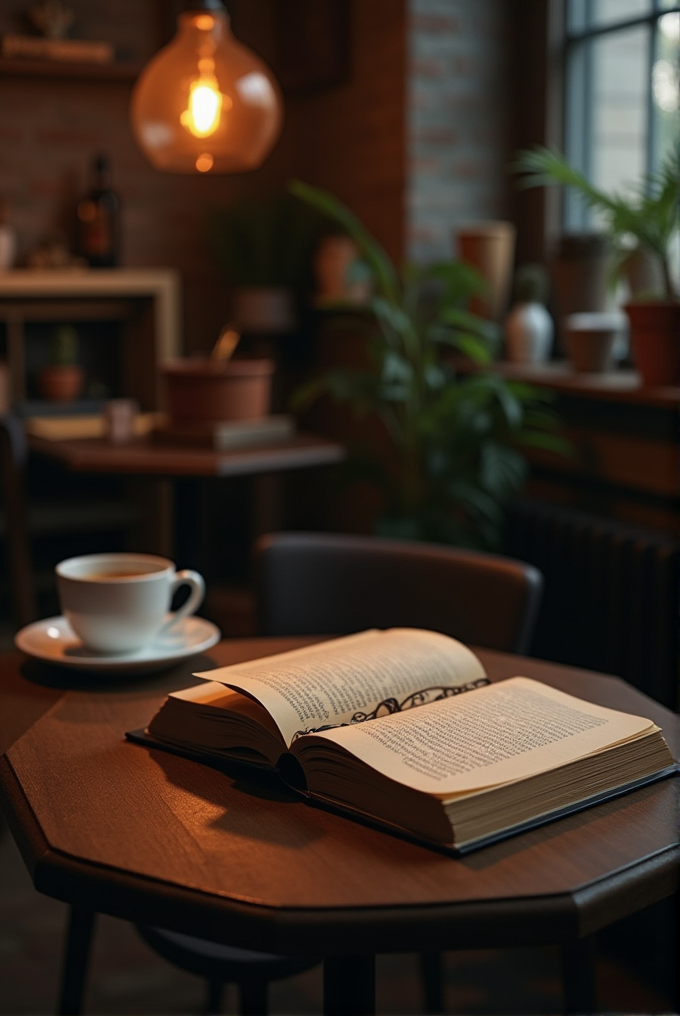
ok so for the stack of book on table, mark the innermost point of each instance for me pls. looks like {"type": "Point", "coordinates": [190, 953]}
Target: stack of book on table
{"type": "Point", "coordinates": [225, 435]}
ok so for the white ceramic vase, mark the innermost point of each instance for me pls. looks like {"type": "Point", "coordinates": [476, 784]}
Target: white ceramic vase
{"type": "Point", "coordinates": [529, 333]}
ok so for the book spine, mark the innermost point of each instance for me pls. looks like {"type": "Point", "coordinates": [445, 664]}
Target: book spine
{"type": "Point", "coordinates": [273, 430]}
{"type": "Point", "coordinates": [66, 50]}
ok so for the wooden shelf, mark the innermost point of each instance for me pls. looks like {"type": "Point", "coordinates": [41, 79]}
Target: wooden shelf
{"type": "Point", "coordinates": [145, 300]}
{"type": "Point", "coordinates": [621, 385]}
{"type": "Point", "coordinates": [122, 71]}
{"type": "Point", "coordinates": [615, 385]}
{"type": "Point", "coordinates": [624, 438]}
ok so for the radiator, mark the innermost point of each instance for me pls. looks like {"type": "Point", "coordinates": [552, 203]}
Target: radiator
{"type": "Point", "coordinates": [611, 597]}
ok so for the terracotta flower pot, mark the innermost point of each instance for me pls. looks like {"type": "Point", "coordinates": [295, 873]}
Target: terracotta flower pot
{"type": "Point", "coordinates": [208, 390]}
{"type": "Point", "coordinates": [490, 248]}
{"type": "Point", "coordinates": [655, 341]}
{"type": "Point", "coordinates": [61, 382]}
{"type": "Point", "coordinates": [590, 339]}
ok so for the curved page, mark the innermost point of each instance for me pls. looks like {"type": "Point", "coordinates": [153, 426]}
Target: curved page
{"type": "Point", "coordinates": [355, 678]}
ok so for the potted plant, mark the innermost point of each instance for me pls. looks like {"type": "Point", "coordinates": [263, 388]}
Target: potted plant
{"type": "Point", "coordinates": [265, 246]}
{"type": "Point", "coordinates": [648, 216]}
{"type": "Point", "coordinates": [61, 379]}
{"type": "Point", "coordinates": [454, 439]}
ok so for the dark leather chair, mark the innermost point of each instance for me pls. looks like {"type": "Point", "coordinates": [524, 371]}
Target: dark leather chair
{"type": "Point", "coordinates": [330, 583]}
{"type": "Point", "coordinates": [13, 456]}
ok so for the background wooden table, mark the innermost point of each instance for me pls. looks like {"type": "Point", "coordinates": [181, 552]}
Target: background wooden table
{"type": "Point", "coordinates": [168, 525]}
{"type": "Point", "coordinates": [146, 457]}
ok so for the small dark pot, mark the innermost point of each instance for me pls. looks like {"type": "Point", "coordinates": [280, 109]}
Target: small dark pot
{"type": "Point", "coordinates": [61, 382]}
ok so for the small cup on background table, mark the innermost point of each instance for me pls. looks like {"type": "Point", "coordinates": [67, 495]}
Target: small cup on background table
{"type": "Point", "coordinates": [120, 417]}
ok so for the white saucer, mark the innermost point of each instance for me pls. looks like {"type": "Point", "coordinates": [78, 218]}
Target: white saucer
{"type": "Point", "coordinates": [53, 641]}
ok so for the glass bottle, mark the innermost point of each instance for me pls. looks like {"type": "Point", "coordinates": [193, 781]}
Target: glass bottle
{"type": "Point", "coordinates": [98, 218]}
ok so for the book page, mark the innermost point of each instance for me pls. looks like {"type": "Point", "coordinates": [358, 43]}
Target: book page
{"type": "Point", "coordinates": [217, 697]}
{"type": "Point", "coordinates": [354, 678]}
{"type": "Point", "coordinates": [211, 693]}
{"type": "Point", "coordinates": [217, 705]}
{"type": "Point", "coordinates": [502, 732]}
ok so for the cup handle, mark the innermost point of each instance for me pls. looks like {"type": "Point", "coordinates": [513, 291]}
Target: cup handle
{"type": "Point", "coordinates": [190, 578]}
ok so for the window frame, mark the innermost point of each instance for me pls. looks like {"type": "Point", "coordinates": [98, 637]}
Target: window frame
{"type": "Point", "coordinates": [577, 63]}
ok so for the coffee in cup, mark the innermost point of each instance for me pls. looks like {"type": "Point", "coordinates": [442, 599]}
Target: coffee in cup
{"type": "Point", "coordinates": [118, 603]}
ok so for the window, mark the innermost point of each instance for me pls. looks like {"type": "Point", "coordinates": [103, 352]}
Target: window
{"type": "Point", "coordinates": [622, 110]}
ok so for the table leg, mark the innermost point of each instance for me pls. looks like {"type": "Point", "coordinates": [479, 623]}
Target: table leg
{"type": "Point", "coordinates": [578, 976]}
{"type": "Point", "coordinates": [189, 523]}
{"type": "Point", "coordinates": [267, 504]}
{"type": "Point", "coordinates": [432, 980]}
{"type": "Point", "coordinates": [76, 958]}
{"type": "Point", "coordinates": [349, 985]}
{"type": "Point", "coordinates": [154, 500]}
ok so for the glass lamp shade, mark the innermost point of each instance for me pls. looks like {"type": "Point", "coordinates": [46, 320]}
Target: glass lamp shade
{"type": "Point", "coordinates": [205, 103]}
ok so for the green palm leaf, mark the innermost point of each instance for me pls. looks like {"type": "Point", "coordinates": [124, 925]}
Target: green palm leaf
{"type": "Point", "coordinates": [649, 211]}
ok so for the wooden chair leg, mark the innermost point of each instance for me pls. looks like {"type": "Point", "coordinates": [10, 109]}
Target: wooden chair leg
{"type": "Point", "coordinates": [578, 976]}
{"type": "Point", "coordinates": [213, 998]}
{"type": "Point", "coordinates": [253, 997]}
{"type": "Point", "coordinates": [432, 980]}
{"type": "Point", "coordinates": [76, 958]}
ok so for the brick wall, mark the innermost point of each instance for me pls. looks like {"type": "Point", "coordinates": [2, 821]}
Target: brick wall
{"type": "Point", "coordinates": [459, 119]}
{"type": "Point", "coordinates": [353, 137]}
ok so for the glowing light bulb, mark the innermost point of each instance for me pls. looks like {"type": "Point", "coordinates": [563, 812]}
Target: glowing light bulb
{"type": "Point", "coordinates": [205, 102]}
{"type": "Point", "coordinates": [202, 115]}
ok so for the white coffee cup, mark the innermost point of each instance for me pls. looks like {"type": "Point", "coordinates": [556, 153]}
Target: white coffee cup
{"type": "Point", "coordinates": [118, 603]}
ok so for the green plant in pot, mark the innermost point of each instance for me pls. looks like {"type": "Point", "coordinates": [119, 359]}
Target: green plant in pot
{"type": "Point", "coordinates": [265, 246]}
{"type": "Point", "coordinates": [454, 441]}
{"type": "Point", "coordinates": [643, 223]}
{"type": "Point", "coordinates": [61, 379]}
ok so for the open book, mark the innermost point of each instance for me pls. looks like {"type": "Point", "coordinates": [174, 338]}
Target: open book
{"type": "Point", "coordinates": [402, 728]}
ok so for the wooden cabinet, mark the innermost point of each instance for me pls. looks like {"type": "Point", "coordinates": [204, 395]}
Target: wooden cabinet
{"type": "Point", "coordinates": [144, 303]}
{"type": "Point", "coordinates": [625, 438]}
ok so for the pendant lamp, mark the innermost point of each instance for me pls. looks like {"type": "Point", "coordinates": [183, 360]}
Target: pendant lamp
{"type": "Point", "coordinates": [205, 103]}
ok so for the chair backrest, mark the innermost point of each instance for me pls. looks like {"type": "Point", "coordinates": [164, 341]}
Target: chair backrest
{"type": "Point", "coordinates": [13, 451]}
{"type": "Point", "coordinates": [329, 583]}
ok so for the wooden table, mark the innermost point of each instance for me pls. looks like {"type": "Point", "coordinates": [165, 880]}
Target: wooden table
{"type": "Point", "coordinates": [146, 457]}
{"type": "Point", "coordinates": [149, 459]}
{"type": "Point", "coordinates": [110, 826]}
